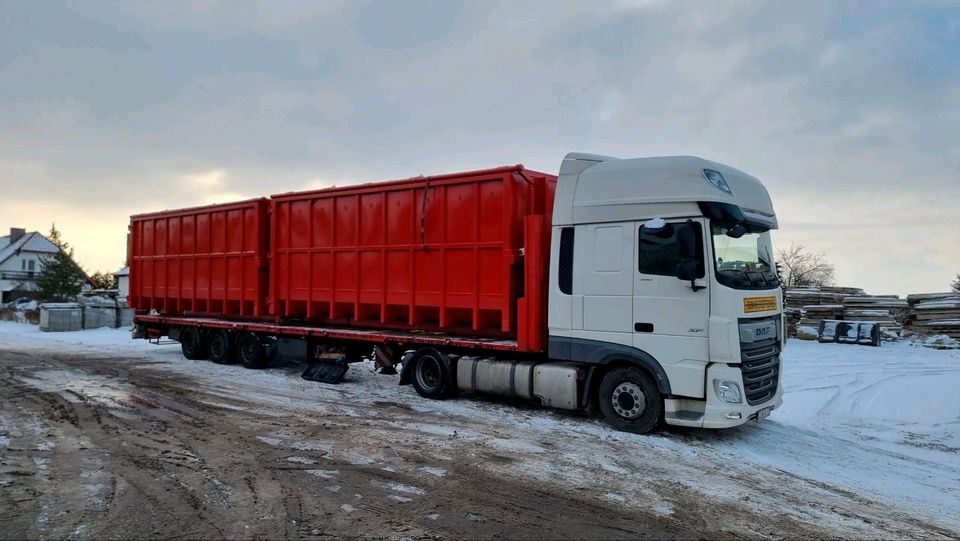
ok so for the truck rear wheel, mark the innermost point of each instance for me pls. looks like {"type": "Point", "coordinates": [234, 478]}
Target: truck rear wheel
{"type": "Point", "coordinates": [250, 350]}
{"type": "Point", "coordinates": [431, 374]}
{"type": "Point", "coordinates": [630, 401]}
{"type": "Point", "coordinates": [192, 344]}
{"type": "Point", "coordinates": [221, 351]}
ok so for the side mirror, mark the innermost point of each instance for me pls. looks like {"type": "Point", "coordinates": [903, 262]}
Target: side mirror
{"type": "Point", "coordinates": [687, 241]}
{"type": "Point", "coordinates": [736, 231]}
{"type": "Point", "coordinates": [688, 271]}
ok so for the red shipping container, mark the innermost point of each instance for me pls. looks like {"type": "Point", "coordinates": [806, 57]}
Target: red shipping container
{"type": "Point", "coordinates": [206, 260]}
{"type": "Point", "coordinates": [444, 253]}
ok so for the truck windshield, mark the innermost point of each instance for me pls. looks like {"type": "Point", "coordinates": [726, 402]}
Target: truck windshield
{"type": "Point", "coordinates": [745, 262]}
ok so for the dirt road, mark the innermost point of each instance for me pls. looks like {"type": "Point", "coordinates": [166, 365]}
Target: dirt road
{"type": "Point", "coordinates": [112, 446]}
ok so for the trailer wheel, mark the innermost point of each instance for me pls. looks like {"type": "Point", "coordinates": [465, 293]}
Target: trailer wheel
{"type": "Point", "coordinates": [192, 344]}
{"type": "Point", "coordinates": [630, 401]}
{"type": "Point", "coordinates": [431, 374]}
{"type": "Point", "coordinates": [219, 343]}
{"type": "Point", "coordinates": [250, 350]}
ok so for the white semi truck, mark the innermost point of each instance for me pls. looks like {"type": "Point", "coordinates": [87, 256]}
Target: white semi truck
{"type": "Point", "coordinates": [656, 300]}
{"type": "Point", "coordinates": [668, 262]}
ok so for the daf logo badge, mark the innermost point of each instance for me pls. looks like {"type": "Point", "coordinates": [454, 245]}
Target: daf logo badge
{"type": "Point", "coordinates": [763, 331]}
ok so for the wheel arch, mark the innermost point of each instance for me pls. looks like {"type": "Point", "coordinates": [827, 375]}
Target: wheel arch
{"type": "Point", "coordinates": [605, 356]}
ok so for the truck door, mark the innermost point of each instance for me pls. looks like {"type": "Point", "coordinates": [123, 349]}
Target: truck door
{"type": "Point", "coordinates": [603, 282]}
{"type": "Point", "coordinates": [670, 317]}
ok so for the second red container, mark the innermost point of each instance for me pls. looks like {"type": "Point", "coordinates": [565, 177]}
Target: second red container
{"type": "Point", "coordinates": [443, 252]}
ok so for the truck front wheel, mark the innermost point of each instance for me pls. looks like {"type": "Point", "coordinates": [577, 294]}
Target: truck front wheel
{"type": "Point", "coordinates": [192, 344]}
{"type": "Point", "coordinates": [630, 401]}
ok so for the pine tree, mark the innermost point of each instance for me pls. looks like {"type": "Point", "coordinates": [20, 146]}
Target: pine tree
{"type": "Point", "coordinates": [955, 286]}
{"type": "Point", "coordinates": [61, 278]}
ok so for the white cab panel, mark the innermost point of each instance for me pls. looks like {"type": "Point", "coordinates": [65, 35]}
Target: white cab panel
{"type": "Point", "coordinates": [603, 276]}
{"type": "Point", "coordinates": [560, 305]}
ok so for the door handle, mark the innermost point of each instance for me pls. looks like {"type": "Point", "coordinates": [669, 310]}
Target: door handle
{"type": "Point", "coordinates": [643, 327]}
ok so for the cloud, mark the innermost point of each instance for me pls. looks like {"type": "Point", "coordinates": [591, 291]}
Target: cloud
{"type": "Point", "coordinates": [845, 114]}
{"type": "Point", "coordinates": [208, 180]}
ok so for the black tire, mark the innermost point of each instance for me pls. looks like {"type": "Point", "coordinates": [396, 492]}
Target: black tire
{"type": "Point", "coordinates": [221, 350]}
{"type": "Point", "coordinates": [192, 344]}
{"type": "Point", "coordinates": [630, 401]}
{"type": "Point", "coordinates": [431, 377]}
{"type": "Point", "coordinates": [250, 351]}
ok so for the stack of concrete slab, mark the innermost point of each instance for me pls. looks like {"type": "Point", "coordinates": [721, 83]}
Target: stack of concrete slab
{"type": "Point", "coordinates": [98, 311]}
{"type": "Point", "coordinates": [797, 300]}
{"type": "Point", "coordinates": [798, 297]}
{"type": "Point", "coordinates": [934, 313]}
{"type": "Point", "coordinates": [814, 314]}
{"type": "Point", "coordinates": [124, 314]}
{"type": "Point", "coordinates": [61, 317]}
{"type": "Point", "coordinates": [842, 291]}
{"type": "Point", "coordinates": [887, 311]}
{"type": "Point", "coordinates": [793, 316]}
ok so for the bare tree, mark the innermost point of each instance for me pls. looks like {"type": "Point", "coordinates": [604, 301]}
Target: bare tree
{"type": "Point", "coordinates": [955, 286]}
{"type": "Point", "coordinates": [802, 268]}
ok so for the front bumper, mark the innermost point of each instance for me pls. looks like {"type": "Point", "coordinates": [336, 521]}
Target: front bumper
{"type": "Point", "coordinates": [713, 412]}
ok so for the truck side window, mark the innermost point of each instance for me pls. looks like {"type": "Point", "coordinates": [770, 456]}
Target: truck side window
{"type": "Point", "coordinates": [566, 260]}
{"type": "Point", "coordinates": [660, 251]}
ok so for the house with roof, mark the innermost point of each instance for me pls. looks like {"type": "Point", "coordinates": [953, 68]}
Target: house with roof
{"type": "Point", "coordinates": [21, 259]}
{"type": "Point", "coordinates": [122, 277]}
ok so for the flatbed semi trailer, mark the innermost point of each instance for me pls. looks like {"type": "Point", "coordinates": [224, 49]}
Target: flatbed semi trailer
{"type": "Point", "coordinates": [642, 288]}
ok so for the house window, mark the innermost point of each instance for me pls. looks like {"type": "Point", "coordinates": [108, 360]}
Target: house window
{"type": "Point", "coordinates": [30, 266]}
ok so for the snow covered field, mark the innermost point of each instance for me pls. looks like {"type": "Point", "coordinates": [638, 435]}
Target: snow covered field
{"type": "Point", "coordinates": [880, 423]}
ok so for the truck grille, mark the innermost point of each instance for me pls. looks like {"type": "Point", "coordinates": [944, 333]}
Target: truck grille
{"type": "Point", "coordinates": [760, 365]}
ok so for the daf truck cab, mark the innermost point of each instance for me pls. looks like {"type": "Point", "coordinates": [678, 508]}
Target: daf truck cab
{"type": "Point", "coordinates": [662, 278]}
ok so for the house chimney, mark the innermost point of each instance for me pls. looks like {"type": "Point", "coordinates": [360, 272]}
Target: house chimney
{"type": "Point", "coordinates": [16, 233]}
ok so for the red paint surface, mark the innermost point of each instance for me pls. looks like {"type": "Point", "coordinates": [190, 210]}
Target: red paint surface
{"type": "Point", "coordinates": [205, 260]}
{"type": "Point", "coordinates": [463, 254]}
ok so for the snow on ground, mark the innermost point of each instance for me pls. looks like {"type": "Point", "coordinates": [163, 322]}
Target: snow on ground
{"type": "Point", "coordinates": [881, 422]}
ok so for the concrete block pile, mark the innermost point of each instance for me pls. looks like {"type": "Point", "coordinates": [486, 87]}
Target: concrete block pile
{"type": "Point", "coordinates": [98, 311]}
{"type": "Point", "coordinates": [89, 312]}
{"type": "Point", "coordinates": [887, 311]}
{"type": "Point", "coordinates": [61, 317]}
{"type": "Point", "coordinates": [814, 314]}
{"type": "Point", "coordinates": [807, 307]}
{"type": "Point", "coordinates": [934, 314]}
{"type": "Point", "coordinates": [935, 317]}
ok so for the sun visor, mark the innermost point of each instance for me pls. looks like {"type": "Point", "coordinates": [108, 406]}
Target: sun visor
{"type": "Point", "coordinates": [728, 213]}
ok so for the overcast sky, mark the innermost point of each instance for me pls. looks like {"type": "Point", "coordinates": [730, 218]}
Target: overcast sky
{"type": "Point", "coordinates": [848, 112]}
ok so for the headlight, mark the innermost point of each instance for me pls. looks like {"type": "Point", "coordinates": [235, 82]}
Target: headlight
{"type": "Point", "coordinates": [728, 391]}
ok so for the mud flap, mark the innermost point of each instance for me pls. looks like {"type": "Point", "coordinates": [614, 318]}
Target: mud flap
{"type": "Point", "coordinates": [326, 372]}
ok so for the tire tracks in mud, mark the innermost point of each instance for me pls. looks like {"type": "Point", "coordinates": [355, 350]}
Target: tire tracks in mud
{"type": "Point", "coordinates": [183, 461]}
